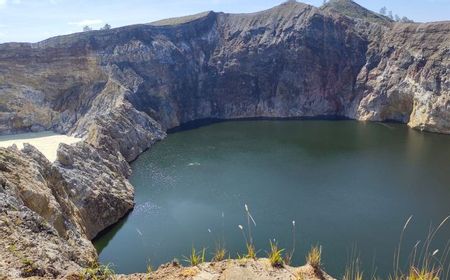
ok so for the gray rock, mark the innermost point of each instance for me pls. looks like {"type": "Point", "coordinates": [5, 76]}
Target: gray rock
{"type": "Point", "coordinates": [293, 60]}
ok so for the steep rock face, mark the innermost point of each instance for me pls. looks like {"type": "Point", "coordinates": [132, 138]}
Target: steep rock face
{"type": "Point", "coordinates": [49, 212]}
{"type": "Point", "coordinates": [290, 61]}
{"type": "Point", "coordinates": [39, 233]}
{"type": "Point", "coordinates": [45, 88]}
{"type": "Point", "coordinates": [32, 247]}
{"type": "Point", "coordinates": [95, 185]}
{"type": "Point", "coordinates": [124, 131]}
{"type": "Point", "coordinates": [293, 60]}
{"type": "Point", "coordinates": [407, 79]}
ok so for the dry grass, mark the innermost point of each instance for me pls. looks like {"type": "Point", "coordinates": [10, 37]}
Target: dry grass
{"type": "Point", "coordinates": [353, 269]}
{"type": "Point", "coordinates": [424, 262]}
{"type": "Point", "coordinates": [251, 251]}
{"type": "Point", "coordinates": [423, 274]}
{"type": "Point", "coordinates": [219, 254]}
{"type": "Point", "coordinates": [288, 256]}
{"type": "Point", "coordinates": [314, 256]}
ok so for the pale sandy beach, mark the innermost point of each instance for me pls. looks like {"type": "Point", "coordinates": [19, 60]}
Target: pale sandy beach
{"type": "Point", "coordinates": [46, 142]}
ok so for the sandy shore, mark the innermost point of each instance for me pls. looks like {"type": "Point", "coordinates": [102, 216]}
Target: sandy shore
{"type": "Point", "coordinates": [46, 142]}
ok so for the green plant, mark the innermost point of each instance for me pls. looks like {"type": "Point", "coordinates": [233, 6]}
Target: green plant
{"type": "Point", "coordinates": [219, 254]}
{"type": "Point", "coordinates": [149, 269]}
{"type": "Point", "coordinates": [314, 256]}
{"type": "Point", "coordinates": [98, 271]}
{"type": "Point", "coordinates": [220, 251]}
{"type": "Point", "coordinates": [275, 255]}
{"type": "Point", "coordinates": [28, 267]}
{"type": "Point", "coordinates": [195, 258]}
{"type": "Point", "coordinates": [12, 248]}
{"type": "Point", "coordinates": [251, 252]}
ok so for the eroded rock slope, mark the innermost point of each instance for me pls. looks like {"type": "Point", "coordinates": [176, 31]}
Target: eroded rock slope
{"type": "Point", "coordinates": [293, 60]}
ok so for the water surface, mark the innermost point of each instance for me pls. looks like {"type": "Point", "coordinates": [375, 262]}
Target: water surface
{"type": "Point", "coordinates": [343, 182]}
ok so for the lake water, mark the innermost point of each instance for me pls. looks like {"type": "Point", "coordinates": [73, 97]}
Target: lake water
{"type": "Point", "coordinates": [343, 182]}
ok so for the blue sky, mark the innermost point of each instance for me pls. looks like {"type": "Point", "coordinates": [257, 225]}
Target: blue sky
{"type": "Point", "coordinates": [35, 20]}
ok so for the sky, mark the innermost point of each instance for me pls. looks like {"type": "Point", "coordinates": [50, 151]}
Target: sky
{"type": "Point", "coordinates": [35, 20]}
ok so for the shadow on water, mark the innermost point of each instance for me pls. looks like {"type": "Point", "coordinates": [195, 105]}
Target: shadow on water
{"type": "Point", "coordinates": [103, 238]}
{"type": "Point", "coordinates": [210, 121]}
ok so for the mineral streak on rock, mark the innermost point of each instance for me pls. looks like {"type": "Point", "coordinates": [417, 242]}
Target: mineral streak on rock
{"type": "Point", "coordinates": [121, 89]}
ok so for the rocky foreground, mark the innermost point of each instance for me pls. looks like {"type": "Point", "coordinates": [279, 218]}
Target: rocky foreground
{"type": "Point", "coordinates": [260, 269]}
{"type": "Point", "coordinates": [121, 89]}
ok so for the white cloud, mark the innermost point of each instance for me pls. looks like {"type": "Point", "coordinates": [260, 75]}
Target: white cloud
{"type": "Point", "coordinates": [3, 3]}
{"type": "Point", "coordinates": [84, 22]}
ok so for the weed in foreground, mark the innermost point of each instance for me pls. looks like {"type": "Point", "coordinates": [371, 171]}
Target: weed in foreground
{"type": "Point", "coordinates": [314, 257]}
{"type": "Point", "coordinates": [149, 270]}
{"type": "Point", "coordinates": [423, 274]}
{"type": "Point", "coordinates": [288, 257]}
{"type": "Point", "coordinates": [219, 254]}
{"type": "Point", "coordinates": [29, 269]}
{"type": "Point", "coordinates": [424, 262]}
{"type": "Point", "coordinates": [275, 255]}
{"type": "Point", "coordinates": [195, 258]}
{"type": "Point", "coordinates": [251, 252]}
{"type": "Point", "coordinates": [353, 269]}
{"type": "Point", "coordinates": [98, 271]}
{"type": "Point", "coordinates": [248, 238]}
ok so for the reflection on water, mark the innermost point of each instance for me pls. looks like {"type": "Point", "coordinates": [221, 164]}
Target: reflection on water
{"type": "Point", "coordinates": [344, 183]}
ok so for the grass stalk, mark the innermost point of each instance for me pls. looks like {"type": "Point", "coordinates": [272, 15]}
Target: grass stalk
{"type": "Point", "coordinates": [195, 258]}
{"type": "Point", "coordinates": [314, 256]}
{"type": "Point", "coordinates": [275, 255]}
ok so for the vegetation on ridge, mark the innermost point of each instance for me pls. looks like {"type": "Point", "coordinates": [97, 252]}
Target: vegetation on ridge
{"type": "Point", "coordinates": [275, 255]}
{"type": "Point", "coordinates": [314, 256]}
{"type": "Point", "coordinates": [424, 263]}
{"type": "Point", "coordinates": [98, 271]}
{"type": "Point", "coordinates": [353, 10]}
{"type": "Point", "coordinates": [196, 258]}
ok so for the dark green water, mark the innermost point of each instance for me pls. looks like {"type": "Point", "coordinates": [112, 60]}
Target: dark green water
{"type": "Point", "coordinates": [343, 182]}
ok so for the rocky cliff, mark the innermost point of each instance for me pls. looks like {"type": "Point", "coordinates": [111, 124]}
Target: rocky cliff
{"type": "Point", "coordinates": [293, 60]}
{"type": "Point", "coordinates": [123, 88]}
